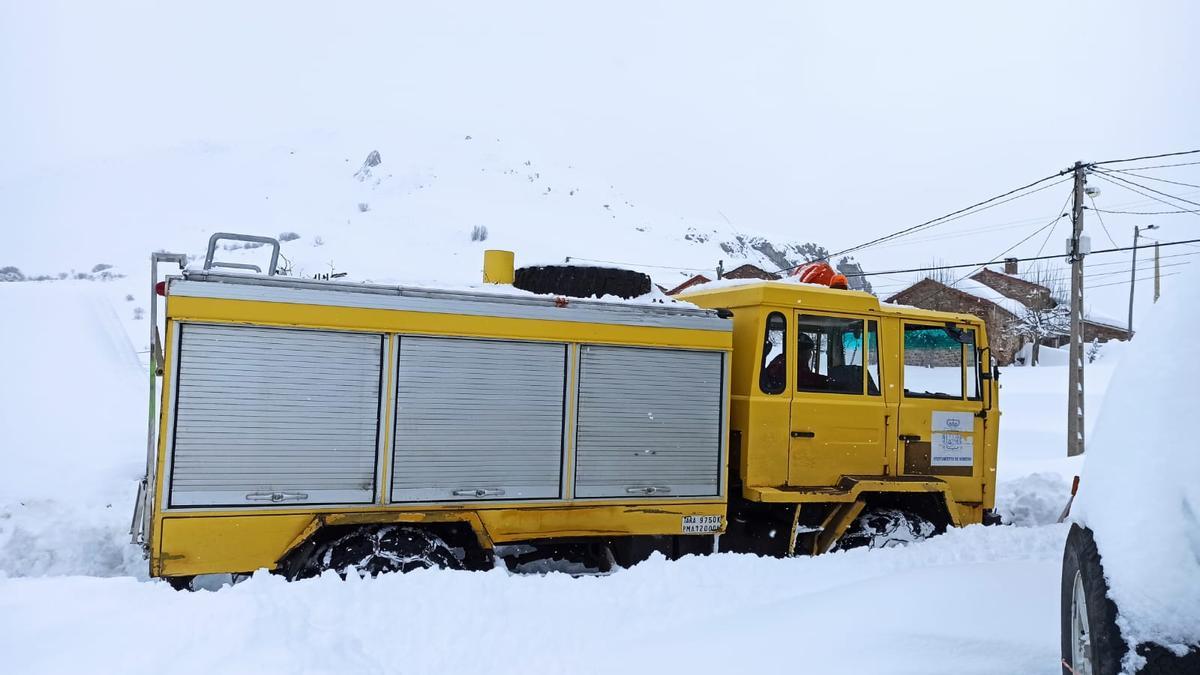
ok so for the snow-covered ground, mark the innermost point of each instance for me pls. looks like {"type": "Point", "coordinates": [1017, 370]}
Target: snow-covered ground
{"type": "Point", "coordinates": [72, 423]}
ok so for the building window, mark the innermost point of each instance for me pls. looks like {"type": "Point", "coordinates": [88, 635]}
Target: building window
{"type": "Point", "coordinates": [773, 377]}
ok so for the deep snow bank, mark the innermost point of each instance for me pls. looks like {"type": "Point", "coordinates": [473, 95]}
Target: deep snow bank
{"type": "Point", "coordinates": [725, 613]}
{"type": "Point", "coordinates": [1140, 491]}
{"type": "Point", "coordinates": [72, 431]}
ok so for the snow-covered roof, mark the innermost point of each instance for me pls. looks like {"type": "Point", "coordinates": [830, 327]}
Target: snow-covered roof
{"type": "Point", "coordinates": [985, 292]}
{"type": "Point", "coordinates": [1092, 316]}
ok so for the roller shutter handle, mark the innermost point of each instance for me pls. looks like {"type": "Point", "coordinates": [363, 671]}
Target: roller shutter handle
{"type": "Point", "coordinates": [479, 492]}
{"type": "Point", "coordinates": [276, 497]}
{"type": "Point", "coordinates": [647, 489]}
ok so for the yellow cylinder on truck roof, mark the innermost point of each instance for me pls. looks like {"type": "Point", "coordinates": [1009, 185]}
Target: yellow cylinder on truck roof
{"type": "Point", "coordinates": [497, 267]}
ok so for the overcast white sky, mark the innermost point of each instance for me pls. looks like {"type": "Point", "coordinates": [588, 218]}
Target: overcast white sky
{"type": "Point", "coordinates": [830, 121]}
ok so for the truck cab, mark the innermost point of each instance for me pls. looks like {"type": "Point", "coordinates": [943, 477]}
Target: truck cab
{"type": "Point", "coordinates": [839, 402]}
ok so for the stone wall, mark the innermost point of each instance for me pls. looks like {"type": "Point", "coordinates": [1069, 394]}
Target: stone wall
{"type": "Point", "coordinates": [932, 358]}
{"type": "Point", "coordinates": [930, 294]}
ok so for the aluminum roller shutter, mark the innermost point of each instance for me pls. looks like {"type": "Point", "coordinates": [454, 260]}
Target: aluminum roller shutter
{"type": "Point", "coordinates": [478, 420]}
{"type": "Point", "coordinates": [649, 423]}
{"type": "Point", "coordinates": [275, 415]}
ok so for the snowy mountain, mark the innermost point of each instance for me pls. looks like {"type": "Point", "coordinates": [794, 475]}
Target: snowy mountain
{"type": "Point", "coordinates": [422, 210]}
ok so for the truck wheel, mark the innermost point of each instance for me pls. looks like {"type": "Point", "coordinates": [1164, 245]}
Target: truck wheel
{"type": "Point", "coordinates": [582, 282]}
{"type": "Point", "coordinates": [379, 549]}
{"type": "Point", "coordinates": [1091, 641]}
{"type": "Point", "coordinates": [885, 528]}
{"type": "Point", "coordinates": [180, 583]}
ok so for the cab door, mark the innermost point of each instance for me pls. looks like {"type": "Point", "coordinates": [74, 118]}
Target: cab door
{"type": "Point", "coordinates": [838, 416]}
{"type": "Point", "coordinates": [941, 426]}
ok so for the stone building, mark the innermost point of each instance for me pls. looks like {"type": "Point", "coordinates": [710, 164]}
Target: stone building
{"type": "Point", "coordinates": [1001, 299]}
{"type": "Point", "coordinates": [746, 271]}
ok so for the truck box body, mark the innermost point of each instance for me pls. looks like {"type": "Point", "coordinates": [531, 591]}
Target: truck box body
{"type": "Point", "coordinates": [290, 404]}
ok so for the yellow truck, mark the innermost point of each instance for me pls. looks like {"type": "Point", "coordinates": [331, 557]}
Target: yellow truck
{"type": "Point", "coordinates": [306, 425]}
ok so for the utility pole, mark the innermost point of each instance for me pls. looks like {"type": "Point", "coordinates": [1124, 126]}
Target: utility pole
{"type": "Point", "coordinates": [1157, 277]}
{"type": "Point", "coordinates": [1075, 254]}
{"type": "Point", "coordinates": [1133, 273]}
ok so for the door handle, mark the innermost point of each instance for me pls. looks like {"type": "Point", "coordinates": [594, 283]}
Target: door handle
{"type": "Point", "coordinates": [910, 438]}
{"type": "Point", "coordinates": [804, 434]}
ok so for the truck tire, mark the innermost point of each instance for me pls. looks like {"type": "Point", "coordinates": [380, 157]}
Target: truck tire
{"type": "Point", "coordinates": [1085, 602]}
{"type": "Point", "coordinates": [374, 550]}
{"type": "Point", "coordinates": [1091, 641]}
{"type": "Point", "coordinates": [885, 528]}
{"type": "Point", "coordinates": [581, 282]}
{"type": "Point", "coordinates": [180, 583]}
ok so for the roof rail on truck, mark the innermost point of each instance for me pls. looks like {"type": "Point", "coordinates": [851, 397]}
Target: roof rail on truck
{"type": "Point", "coordinates": [209, 263]}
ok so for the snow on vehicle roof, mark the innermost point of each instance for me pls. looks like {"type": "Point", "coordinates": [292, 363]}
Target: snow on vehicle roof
{"type": "Point", "coordinates": [1140, 489]}
{"type": "Point", "coordinates": [653, 302]}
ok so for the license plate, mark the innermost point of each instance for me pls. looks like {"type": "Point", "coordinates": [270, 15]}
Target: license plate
{"type": "Point", "coordinates": [701, 524]}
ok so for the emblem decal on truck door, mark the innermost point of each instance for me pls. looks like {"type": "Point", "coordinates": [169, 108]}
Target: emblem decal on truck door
{"type": "Point", "coordinates": [962, 422]}
{"type": "Point", "coordinates": [952, 440]}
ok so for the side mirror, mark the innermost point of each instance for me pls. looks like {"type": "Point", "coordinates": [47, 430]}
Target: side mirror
{"type": "Point", "coordinates": [959, 335]}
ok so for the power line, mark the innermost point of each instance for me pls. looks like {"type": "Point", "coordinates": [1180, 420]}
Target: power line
{"type": "Point", "coordinates": [1122, 283]}
{"type": "Point", "coordinates": [1162, 166]}
{"type": "Point", "coordinates": [989, 204]}
{"type": "Point", "coordinates": [1148, 262]}
{"type": "Point", "coordinates": [1139, 203]}
{"type": "Point", "coordinates": [1056, 221]}
{"type": "Point", "coordinates": [969, 210]}
{"type": "Point", "coordinates": [1132, 189]}
{"type": "Point", "coordinates": [1140, 268]}
{"type": "Point", "coordinates": [1109, 176]}
{"type": "Point", "coordinates": [1138, 159]}
{"type": "Point", "coordinates": [1145, 213]}
{"type": "Point", "coordinates": [999, 258]}
{"type": "Point", "coordinates": [1161, 180]}
{"type": "Point", "coordinates": [958, 281]}
{"type": "Point", "coordinates": [970, 232]}
{"type": "Point", "coordinates": [1102, 225]}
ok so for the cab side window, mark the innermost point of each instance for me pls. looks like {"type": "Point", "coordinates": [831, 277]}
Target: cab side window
{"type": "Point", "coordinates": [873, 358]}
{"type": "Point", "coordinates": [933, 362]}
{"type": "Point", "coordinates": [772, 378]}
{"type": "Point", "coordinates": [974, 392]}
{"type": "Point", "coordinates": [831, 353]}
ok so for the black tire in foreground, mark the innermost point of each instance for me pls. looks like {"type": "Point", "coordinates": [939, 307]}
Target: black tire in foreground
{"type": "Point", "coordinates": [581, 282]}
{"type": "Point", "coordinates": [1091, 640]}
{"type": "Point", "coordinates": [374, 550]}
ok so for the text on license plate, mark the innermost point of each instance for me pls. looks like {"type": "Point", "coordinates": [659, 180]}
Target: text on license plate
{"type": "Point", "coordinates": [701, 524]}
